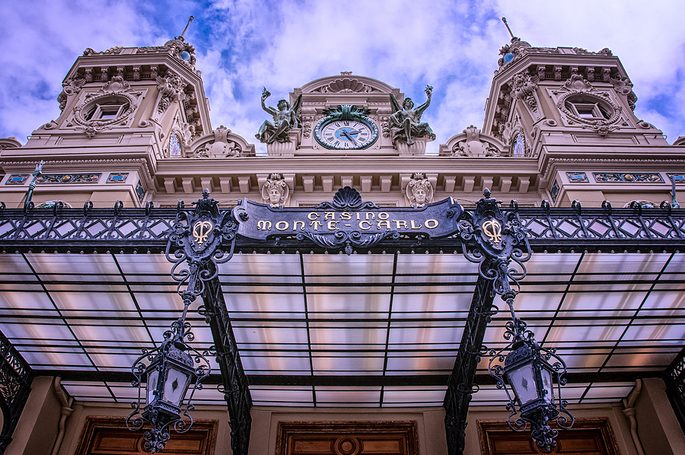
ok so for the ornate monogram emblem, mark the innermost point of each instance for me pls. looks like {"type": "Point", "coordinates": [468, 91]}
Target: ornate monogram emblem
{"type": "Point", "coordinates": [492, 229]}
{"type": "Point", "coordinates": [201, 231]}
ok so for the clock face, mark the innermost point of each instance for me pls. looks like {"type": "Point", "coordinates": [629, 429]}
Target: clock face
{"type": "Point", "coordinates": [346, 134]}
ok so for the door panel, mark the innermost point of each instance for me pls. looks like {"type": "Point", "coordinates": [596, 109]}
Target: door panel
{"type": "Point", "coordinates": [587, 437]}
{"type": "Point", "coordinates": [347, 438]}
{"type": "Point", "coordinates": [109, 436]}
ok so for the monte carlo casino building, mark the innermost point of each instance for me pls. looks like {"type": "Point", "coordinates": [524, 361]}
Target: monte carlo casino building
{"type": "Point", "coordinates": [347, 293]}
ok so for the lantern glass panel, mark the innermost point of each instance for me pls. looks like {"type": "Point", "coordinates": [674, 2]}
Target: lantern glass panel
{"type": "Point", "coordinates": [522, 380]}
{"type": "Point", "coordinates": [175, 386]}
{"type": "Point", "coordinates": [152, 379]}
{"type": "Point", "coordinates": [548, 384]}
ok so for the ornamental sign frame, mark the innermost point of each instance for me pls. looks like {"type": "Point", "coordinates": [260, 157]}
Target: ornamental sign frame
{"type": "Point", "coordinates": [347, 222]}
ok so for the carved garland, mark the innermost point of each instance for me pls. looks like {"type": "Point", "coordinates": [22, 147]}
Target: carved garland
{"type": "Point", "coordinates": [116, 88]}
{"type": "Point", "coordinates": [576, 86]}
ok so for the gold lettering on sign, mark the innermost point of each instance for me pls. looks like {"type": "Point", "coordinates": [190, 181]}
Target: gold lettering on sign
{"type": "Point", "coordinates": [201, 231]}
{"type": "Point", "coordinates": [431, 223]}
{"type": "Point", "coordinates": [282, 225]}
{"type": "Point", "coordinates": [400, 224]}
{"type": "Point", "coordinates": [298, 225]}
{"type": "Point", "coordinates": [264, 225]}
{"type": "Point", "coordinates": [492, 230]}
{"type": "Point", "coordinates": [364, 225]}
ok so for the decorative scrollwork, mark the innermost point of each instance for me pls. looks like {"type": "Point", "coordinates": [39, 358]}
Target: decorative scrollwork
{"type": "Point", "coordinates": [196, 239]}
{"type": "Point", "coordinates": [347, 198]}
{"type": "Point", "coordinates": [495, 239]}
{"type": "Point", "coordinates": [348, 240]}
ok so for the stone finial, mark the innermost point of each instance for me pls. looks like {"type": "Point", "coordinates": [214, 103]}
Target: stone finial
{"type": "Point", "coordinates": [275, 191]}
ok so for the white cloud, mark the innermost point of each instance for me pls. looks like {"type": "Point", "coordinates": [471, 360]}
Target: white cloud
{"type": "Point", "coordinates": [40, 43]}
{"type": "Point", "coordinates": [244, 45]}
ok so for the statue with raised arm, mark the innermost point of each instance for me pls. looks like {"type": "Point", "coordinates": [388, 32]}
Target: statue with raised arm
{"type": "Point", "coordinates": [284, 116]}
{"type": "Point", "coordinates": [405, 121]}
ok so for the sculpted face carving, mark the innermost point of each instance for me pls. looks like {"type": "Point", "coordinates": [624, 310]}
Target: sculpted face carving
{"type": "Point", "coordinates": [419, 191]}
{"type": "Point", "coordinates": [275, 191]}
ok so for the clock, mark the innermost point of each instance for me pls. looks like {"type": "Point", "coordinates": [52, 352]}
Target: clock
{"type": "Point", "coordinates": [351, 133]}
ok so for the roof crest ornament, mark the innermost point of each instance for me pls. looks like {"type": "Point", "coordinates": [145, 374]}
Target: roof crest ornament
{"type": "Point", "coordinates": [190, 20]}
{"type": "Point", "coordinates": [506, 24]}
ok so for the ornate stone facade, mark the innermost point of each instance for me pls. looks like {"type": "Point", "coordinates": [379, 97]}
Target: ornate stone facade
{"type": "Point", "coordinates": [555, 114]}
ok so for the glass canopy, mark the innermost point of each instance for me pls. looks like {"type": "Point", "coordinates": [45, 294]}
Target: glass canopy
{"type": "Point", "coordinates": [396, 316]}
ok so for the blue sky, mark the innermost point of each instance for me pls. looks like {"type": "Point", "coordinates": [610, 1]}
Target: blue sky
{"type": "Point", "coordinates": [245, 45]}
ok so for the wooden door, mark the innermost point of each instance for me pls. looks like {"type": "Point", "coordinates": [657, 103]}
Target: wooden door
{"type": "Point", "coordinates": [109, 436]}
{"type": "Point", "coordinates": [587, 437]}
{"type": "Point", "coordinates": [347, 438]}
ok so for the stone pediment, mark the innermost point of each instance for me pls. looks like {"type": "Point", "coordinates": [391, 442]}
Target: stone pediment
{"type": "Point", "coordinates": [220, 143]}
{"type": "Point", "coordinates": [471, 143]}
{"type": "Point", "coordinates": [347, 83]}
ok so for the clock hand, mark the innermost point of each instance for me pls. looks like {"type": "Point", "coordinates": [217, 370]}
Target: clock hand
{"type": "Point", "coordinates": [346, 134]}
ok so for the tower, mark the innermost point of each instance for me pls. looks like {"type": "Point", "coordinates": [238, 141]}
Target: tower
{"type": "Point", "coordinates": [572, 110]}
{"type": "Point", "coordinates": [121, 111]}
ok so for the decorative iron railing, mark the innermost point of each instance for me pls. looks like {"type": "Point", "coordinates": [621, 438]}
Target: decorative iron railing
{"type": "Point", "coordinates": [675, 386]}
{"type": "Point", "coordinates": [15, 385]}
{"type": "Point", "coordinates": [128, 229]}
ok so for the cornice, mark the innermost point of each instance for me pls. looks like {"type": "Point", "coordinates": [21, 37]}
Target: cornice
{"type": "Point", "coordinates": [359, 165]}
{"type": "Point", "coordinates": [582, 164]}
{"type": "Point", "coordinates": [81, 164]}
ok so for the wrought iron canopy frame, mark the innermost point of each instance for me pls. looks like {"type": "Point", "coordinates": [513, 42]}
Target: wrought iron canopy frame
{"type": "Point", "coordinates": [146, 230]}
{"type": "Point", "coordinates": [15, 386]}
{"type": "Point", "coordinates": [196, 254]}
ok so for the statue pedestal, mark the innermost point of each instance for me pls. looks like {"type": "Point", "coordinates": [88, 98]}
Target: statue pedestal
{"type": "Point", "coordinates": [416, 149]}
{"type": "Point", "coordinates": [286, 148]}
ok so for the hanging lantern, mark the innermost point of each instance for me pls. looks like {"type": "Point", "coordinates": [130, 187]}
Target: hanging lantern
{"type": "Point", "coordinates": [167, 372]}
{"type": "Point", "coordinates": [531, 371]}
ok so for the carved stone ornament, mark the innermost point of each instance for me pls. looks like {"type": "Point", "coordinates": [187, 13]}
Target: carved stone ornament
{"type": "Point", "coordinates": [70, 87]}
{"type": "Point", "coordinates": [275, 191]}
{"type": "Point", "coordinates": [222, 143]}
{"type": "Point", "coordinates": [345, 85]}
{"type": "Point", "coordinates": [183, 50]}
{"type": "Point", "coordinates": [473, 146]}
{"type": "Point", "coordinates": [578, 88]}
{"type": "Point", "coordinates": [419, 191]}
{"type": "Point", "coordinates": [624, 86]}
{"type": "Point", "coordinates": [171, 89]}
{"type": "Point", "coordinates": [509, 52]}
{"type": "Point", "coordinates": [117, 88]}
{"type": "Point", "coordinates": [523, 87]}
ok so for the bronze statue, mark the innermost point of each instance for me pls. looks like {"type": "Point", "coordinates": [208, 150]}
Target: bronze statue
{"type": "Point", "coordinates": [405, 121]}
{"type": "Point", "coordinates": [284, 118]}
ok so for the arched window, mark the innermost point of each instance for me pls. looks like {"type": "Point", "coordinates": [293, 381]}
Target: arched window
{"type": "Point", "coordinates": [106, 109]}
{"type": "Point", "coordinates": [175, 148]}
{"type": "Point", "coordinates": [519, 146]}
{"type": "Point", "coordinates": [588, 107]}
